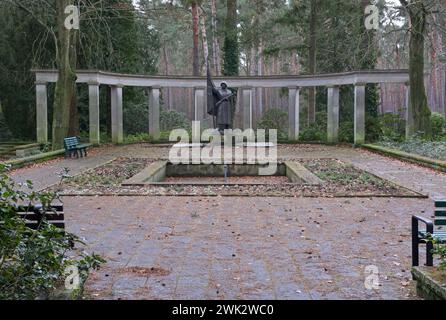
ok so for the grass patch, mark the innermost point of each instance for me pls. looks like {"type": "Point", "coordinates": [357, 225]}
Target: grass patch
{"type": "Point", "coordinates": [431, 149]}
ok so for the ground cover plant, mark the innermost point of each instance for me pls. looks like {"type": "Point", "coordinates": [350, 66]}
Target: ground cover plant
{"type": "Point", "coordinates": [34, 263]}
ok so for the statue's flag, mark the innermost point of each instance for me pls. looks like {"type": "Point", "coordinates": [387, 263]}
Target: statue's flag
{"type": "Point", "coordinates": [212, 100]}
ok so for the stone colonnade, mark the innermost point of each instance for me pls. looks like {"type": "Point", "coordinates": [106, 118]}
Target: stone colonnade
{"type": "Point", "coordinates": [245, 84]}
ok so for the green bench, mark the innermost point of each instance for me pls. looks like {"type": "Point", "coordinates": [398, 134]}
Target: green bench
{"type": "Point", "coordinates": [72, 146]}
{"type": "Point", "coordinates": [34, 215]}
{"type": "Point", "coordinates": [434, 229]}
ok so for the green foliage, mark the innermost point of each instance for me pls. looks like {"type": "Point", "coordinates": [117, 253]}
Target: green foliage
{"type": "Point", "coordinates": [136, 117]}
{"type": "Point", "coordinates": [438, 124]}
{"type": "Point", "coordinates": [439, 251]}
{"type": "Point", "coordinates": [275, 119]}
{"type": "Point", "coordinates": [171, 120]}
{"type": "Point", "coordinates": [393, 127]}
{"type": "Point", "coordinates": [317, 132]}
{"type": "Point", "coordinates": [420, 146]}
{"type": "Point", "coordinates": [33, 263]}
{"type": "Point", "coordinates": [346, 131]}
{"type": "Point", "coordinates": [372, 128]}
{"type": "Point", "coordinates": [113, 37]}
{"type": "Point", "coordinates": [231, 46]}
{"type": "Point", "coordinates": [140, 137]}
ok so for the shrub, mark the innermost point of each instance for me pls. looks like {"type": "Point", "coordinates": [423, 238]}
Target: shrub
{"type": "Point", "coordinates": [346, 131]}
{"type": "Point", "coordinates": [171, 120]}
{"type": "Point", "coordinates": [373, 129]}
{"type": "Point", "coordinates": [393, 127]}
{"type": "Point", "coordinates": [317, 131]}
{"type": "Point", "coordinates": [33, 262]}
{"type": "Point", "coordinates": [140, 137]}
{"type": "Point", "coordinates": [438, 123]}
{"type": "Point", "coordinates": [275, 119]}
{"type": "Point", "coordinates": [136, 118]}
{"type": "Point", "coordinates": [439, 251]}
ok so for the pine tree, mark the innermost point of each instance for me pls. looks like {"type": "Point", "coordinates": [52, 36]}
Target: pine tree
{"type": "Point", "coordinates": [231, 45]}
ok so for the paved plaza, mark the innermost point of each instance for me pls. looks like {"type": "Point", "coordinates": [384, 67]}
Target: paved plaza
{"type": "Point", "coordinates": [247, 247]}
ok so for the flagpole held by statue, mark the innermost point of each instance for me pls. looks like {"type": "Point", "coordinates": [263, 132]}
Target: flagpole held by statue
{"type": "Point", "coordinates": [219, 104]}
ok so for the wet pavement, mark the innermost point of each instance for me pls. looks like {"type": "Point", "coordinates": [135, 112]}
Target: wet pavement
{"type": "Point", "coordinates": [248, 247]}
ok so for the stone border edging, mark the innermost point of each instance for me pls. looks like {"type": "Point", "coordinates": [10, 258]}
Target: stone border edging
{"type": "Point", "coordinates": [429, 285]}
{"type": "Point", "coordinates": [409, 157]}
{"type": "Point", "coordinates": [18, 163]}
{"type": "Point", "coordinates": [244, 195]}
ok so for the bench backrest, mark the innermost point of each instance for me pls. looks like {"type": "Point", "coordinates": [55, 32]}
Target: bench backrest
{"type": "Point", "coordinates": [34, 215]}
{"type": "Point", "coordinates": [440, 213]}
{"type": "Point", "coordinates": [71, 143]}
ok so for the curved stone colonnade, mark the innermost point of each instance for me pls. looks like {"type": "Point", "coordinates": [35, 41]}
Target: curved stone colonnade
{"type": "Point", "coordinates": [117, 81]}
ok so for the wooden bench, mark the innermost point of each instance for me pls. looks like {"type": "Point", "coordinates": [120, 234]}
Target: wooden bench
{"type": "Point", "coordinates": [72, 146]}
{"type": "Point", "coordinates": [34, 215]}
{"type": "Point", "coordinates": [422, 237]}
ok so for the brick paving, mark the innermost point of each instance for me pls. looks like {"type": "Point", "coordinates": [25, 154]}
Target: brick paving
{"type": "Point", "coordinates": [248, 248]}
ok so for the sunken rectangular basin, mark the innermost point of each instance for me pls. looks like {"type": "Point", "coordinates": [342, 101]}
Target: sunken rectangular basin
{"type": "Point", "coordinates": [164, 173]}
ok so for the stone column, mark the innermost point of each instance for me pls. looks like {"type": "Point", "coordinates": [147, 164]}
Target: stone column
{"type": "Point", "coordinates": [409, 114]}
{"type": "Point", "coordinates": [116, 114]}
{"type": "Point", "coordinates": [42, 112]}
{"type": "Point", "coordinates": [154, 112]}
{"type": "Point", "coordinates": [93, 98]}
{"type": "Point", "coordinates": [294, 113]}
{"type": "Point", "coordinates": [199, 104]}
{"type": "Point", "coordinates": [359, 114]}
{"type": "Point", "coordinates": [333, 115]}
{"type": "Point", "coordinates": [247, 107]}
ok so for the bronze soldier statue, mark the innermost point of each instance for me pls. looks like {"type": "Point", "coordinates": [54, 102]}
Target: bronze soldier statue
{"type": "Point", "coordinates": [224, 107]}
{"type": "Point", "coordinates": [220, 105]}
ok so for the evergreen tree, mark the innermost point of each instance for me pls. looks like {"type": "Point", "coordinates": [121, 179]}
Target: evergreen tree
{"type": "Point", "coordinates": [231, 55]}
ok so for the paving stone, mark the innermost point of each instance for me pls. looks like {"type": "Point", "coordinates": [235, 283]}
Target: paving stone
{"type": "Point", "coordinates": [248, 248]}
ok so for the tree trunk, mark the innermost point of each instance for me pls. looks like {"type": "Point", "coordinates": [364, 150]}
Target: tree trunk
{"type": "Point", "coordinates": [67, 77]}
{"type": "Point", "coordinates": [231, 47]}
{"type": "Point", "coordinates": [294, 62]}
{"type": "Point", "coordinates": [195, 30]}
{"type": "Point", "coordinates": [73, 129]}
{"type": "Point", "coordinates": [5, 133]}
{"type": "Point", "coordinates": [215, 43]}
{"type": "Point", "coordinates": [260, 73]}
{"type": "Point", "coordinates": [419, 117]}
{"type": "Point", "coordinates": [312, 62]}
{"type": "Point", "coordinates": [204, 37]}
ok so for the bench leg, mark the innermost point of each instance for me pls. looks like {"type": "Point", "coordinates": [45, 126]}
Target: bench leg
{"type": "Point", "coordinates": [415, 253]}
{"type": "Point", "coordinates": [429, 255]}
{"type": "Point", "coordinates": [415, 244]}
